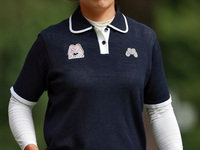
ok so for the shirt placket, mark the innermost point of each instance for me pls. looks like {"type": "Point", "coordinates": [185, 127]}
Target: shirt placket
{"type": "Point", "coordinates": [103, 34]}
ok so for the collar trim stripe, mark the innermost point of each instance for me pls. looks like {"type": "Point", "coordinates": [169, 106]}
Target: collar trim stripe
{"type": "Point", "coordinates": [79, 31]}
{"type": "Point", "coordinates": [123, 31]}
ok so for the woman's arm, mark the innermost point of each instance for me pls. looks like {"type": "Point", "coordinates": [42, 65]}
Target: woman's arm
{"type": "Point", "coordinates": [165, 127]}
{"type": "Point", "coordinates": [21, 124]}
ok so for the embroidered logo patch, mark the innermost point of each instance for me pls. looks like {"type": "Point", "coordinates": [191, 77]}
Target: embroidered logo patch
{"type": "Point", "coordinates": [131, 51]}
{"type": "Point", "coordinates": [75, 51]}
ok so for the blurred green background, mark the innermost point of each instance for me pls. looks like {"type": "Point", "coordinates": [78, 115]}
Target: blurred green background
{"type": "Point", "coordinates": [176, 22]}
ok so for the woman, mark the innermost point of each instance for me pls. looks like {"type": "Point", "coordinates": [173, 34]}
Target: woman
{"type": "Point", "coordinates": [99, 68]}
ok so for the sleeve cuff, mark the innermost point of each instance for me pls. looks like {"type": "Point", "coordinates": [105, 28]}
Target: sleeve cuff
{"type": "Point", "coordinates": [19, 98]}
{"type": "Point", "coordinates": [163, 104]}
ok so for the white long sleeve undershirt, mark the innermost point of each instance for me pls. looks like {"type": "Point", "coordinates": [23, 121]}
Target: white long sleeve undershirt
{"type": "Point", "coordinates": [21, 122]}
{"type": "Point", "coordinates": [164, 126]}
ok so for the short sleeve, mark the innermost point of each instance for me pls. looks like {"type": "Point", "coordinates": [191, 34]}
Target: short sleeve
{"type": "Point", "coordinates": [32, 81]}
{"type": "Point", "coordinates": [156, 90]}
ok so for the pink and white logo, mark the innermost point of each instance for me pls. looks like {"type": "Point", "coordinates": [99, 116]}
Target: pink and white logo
{"type": "Point", "coordinates": [75, 51]}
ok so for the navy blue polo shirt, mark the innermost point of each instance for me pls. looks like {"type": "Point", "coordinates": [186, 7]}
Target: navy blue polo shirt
{"type": "Point", "coordinates": [95, 100]}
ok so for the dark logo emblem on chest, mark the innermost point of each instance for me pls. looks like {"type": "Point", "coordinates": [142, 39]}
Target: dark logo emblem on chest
{"type": "Point", "coordinates": [75, 51]}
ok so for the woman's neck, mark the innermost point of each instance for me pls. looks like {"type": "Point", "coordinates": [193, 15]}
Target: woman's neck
{"type": "Point", "coordinates": [98, 15]}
